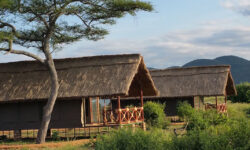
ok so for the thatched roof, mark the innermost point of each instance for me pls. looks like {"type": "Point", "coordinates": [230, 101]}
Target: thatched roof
{"type": "Point", "coordinates": [102, 76]}
{"type": "Point", "coordinates": [194, 81]}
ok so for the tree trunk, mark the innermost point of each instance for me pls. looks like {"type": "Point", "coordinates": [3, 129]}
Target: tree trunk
{"type": "Point", "coordinates": [48, 108]}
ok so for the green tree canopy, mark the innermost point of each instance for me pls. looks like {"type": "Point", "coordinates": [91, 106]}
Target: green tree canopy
{"type": "Point", "coordinates": [243, 93]}
{"type": "Point", "coordinates": [45, 25]}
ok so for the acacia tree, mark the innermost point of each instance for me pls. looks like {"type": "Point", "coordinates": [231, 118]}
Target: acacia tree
{"type": "Point", "coordinates": [44, 25]}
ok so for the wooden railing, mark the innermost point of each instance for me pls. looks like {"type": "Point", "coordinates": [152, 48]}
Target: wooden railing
{"type": "Point", "coordinates": [222, 108]}
{"type": "Point", "coordinates": [123, 116]}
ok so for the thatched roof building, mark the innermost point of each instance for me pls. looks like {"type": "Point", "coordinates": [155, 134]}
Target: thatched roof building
{"type": "Point", "coordinates": [189, 84]}
{"type": "Point", "coordinates": [194, 81]}
{"type": "Point", "coordinates": [101, 76]}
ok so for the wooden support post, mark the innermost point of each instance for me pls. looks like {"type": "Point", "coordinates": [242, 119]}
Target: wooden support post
{"type": "Point", "coordinates": [143, 126]}
{"type": "Point", "coordinates": [142, 111]}
{"type": "Point", "coordinates": [216, 99]}
{"type": "Point", "coordinates": [83, 112]}
{"type": "Point", "coordinates": [89, 132]}
{"type": "Point", "coordinates": [98, 110]}
{"type": "Point", "coordinates": [119, 109]}
{"type": "Point", "coordinates": [133, 127]}
{"type": "Point", "coordinates": [104, 113]}
{"type": "Point", "coordinates": [194, 101]}
{"type": "Point", "coordinates": [136, 117]}
{"type": "Point", "coordinates": [141, 97]}
{"type": "Point", "coordinates": [90, 111]}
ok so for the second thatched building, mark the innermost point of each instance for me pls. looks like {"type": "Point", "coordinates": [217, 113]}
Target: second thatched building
{"type": "Point", "coordinates": [191, 84]}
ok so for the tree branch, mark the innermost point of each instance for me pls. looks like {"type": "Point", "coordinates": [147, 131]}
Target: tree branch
{"type": "Point", "coordinates": [20, 52]}
{"type": "Point", "coordinates": [41, 18]}
{"type": "Point", "coordinates": [4, 24]}
{"type": "Point", "coordinates": [84, 22]}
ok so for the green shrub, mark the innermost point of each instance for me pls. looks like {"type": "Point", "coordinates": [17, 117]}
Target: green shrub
{"type": "Point", "coordinates": [185, 111]}
{"type": "Point", "coordinates": [154, 114]}
{"type": "Point", "coordinates": [199, 119]}
{"type": "Point", "coordinates": [231, 135]}
{"type": "Point", "coordinates": [55, 136]}
{"type": "Point", "coordinates": [126, 139]}
{"type": "Point", "coordinates": [234, 134]}
{"type": "Point", "coordinates": [208, 130]}
{"type": "Point", "coordinates": [243, 93]}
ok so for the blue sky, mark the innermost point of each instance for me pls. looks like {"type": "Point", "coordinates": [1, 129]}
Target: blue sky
{"type": "Point", "coordinates": [176, 32]}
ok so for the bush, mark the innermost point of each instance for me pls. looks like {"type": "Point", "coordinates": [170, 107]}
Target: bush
{"type": "Point", "coordinates": [199, 119]}
{"type": "Point", "coordinates": [154, 114]}
{"type": "Point", "coordinates": [126, 139]}
{"type": "Point", "coordinates": [208, 130]}
{"type": "Point", "coordinates": [55, 136]}
{"type": "Point", "coordinates": [232, 135]}
{"type": "Point", "coordinates": [243, 93]}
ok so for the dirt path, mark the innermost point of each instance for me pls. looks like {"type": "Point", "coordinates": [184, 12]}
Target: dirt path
{"type": "Point", "coordinates": [45, 145]}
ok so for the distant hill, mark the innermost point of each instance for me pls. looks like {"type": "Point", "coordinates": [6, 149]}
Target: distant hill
{"type": "Point", "coordinates": [240, 67]}
{"type": "Point", "coordinates": [151, 68]}
{"type": "Point", "coordinates": [174, 67]}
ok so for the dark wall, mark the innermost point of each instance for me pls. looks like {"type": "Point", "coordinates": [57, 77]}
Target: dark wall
{"type": "Point", "coordinates": [28, 115]}
{"type": "Point", "coordinates": [171, 103]}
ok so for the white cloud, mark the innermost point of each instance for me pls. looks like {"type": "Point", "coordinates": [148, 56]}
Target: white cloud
{"type": "Point", "coordinates": [175, 48]}
{"type": "Point", "coordinates": [242, 6]}
{"type": "Point", "coordinates": [170, 49]}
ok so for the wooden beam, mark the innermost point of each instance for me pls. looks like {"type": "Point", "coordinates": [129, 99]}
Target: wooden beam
{"type": "Point", "coordinates": [90, 111]}
{"type": "Point", "coordinates": [83, 112]}
{"type": "Point", "coordinates": [119, 109]}
{"type": "Point", "coordinates": [194, 101]}
{"type": "Point", "coordinates": [141, 97]}
{"type": "Point", "coordinates": [98, 110]}
{"type": "Point", "coordinates": [216, 100]}
{"type": "Point", "coordinates": [104, 113]}
{"type": "Point", "coordinates": [142, 112]}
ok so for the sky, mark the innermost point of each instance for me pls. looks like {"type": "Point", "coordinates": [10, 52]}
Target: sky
{"type": "Point", "coordinates": [176, 32]}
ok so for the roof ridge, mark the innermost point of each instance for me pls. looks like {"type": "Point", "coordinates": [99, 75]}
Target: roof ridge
{"type": "Point", "coordinates": [75, 58]}
{"type": "Point", "coordinates": [193, 67]}
{"type": "Point", "coordinates": [188, 74]}
{"type": "Point", "coordinates": [72, 67]}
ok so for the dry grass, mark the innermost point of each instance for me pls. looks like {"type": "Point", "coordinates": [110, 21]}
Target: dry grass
{"type": "Point", "coordinates": [49, 145]}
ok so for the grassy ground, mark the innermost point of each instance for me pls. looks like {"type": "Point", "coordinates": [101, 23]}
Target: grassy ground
{"type": "Point", "coordinates": [70, 147]}
{"type": "Point", "coordinates": [238, 110]}
{"type": "Point", "coordinates": [67, 145]}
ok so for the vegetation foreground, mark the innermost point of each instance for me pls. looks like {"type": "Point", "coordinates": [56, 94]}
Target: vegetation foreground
{"type": "Point", "coordinates": [206, 130]}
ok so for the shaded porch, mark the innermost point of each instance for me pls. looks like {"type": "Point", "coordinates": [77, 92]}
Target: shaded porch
{"type": "Point", "coordinates": [102, 112]}
{"type": "Point", "coordinates": [221, 107]}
